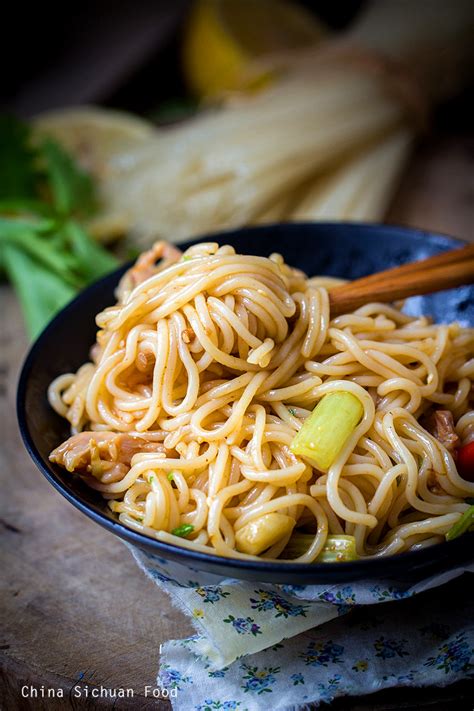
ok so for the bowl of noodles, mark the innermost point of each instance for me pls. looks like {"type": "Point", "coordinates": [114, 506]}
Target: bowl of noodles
{"type": "Point", "coordinates": [203, 405]}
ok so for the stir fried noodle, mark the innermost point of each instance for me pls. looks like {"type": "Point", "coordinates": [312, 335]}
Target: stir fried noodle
{"type": "Point", "coordinates": [202, 375]}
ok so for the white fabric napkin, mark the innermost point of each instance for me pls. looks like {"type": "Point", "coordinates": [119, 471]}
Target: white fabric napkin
{"type": "Point", "coordinates": [292, 645]}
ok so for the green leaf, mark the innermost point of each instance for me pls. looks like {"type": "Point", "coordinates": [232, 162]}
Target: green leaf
{"type": "Point", "coordinates": [26, 207]}
{"type": "Point", "coordinates": [18, 174]}
{"type": "Point", "coordinates": [46, 254]}
{"type": "Point", "coordinates": [72, 190]}
{"type": "Point", "coordinates": [11, 226]}
{"type": "Point", "coordinates": [93, 261]}
{"type": "Point", "coordinates": [41, 292]}
{"type": "Point", "coordinates": [22, 236]}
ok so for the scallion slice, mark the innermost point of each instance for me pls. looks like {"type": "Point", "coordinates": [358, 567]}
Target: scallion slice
{"type": "Point", "coordinates": [337, 549]}
{"type": "Point", "coordinates": [465, 523]}
{"type": "Point", "coordinates": [325, 432]}
{"type": "Point", "coordinates": [183, 531]}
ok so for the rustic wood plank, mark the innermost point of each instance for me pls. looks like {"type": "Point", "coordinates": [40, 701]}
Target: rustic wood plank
{"type": "Point", "coordinates": [74, 606]}
{"type": "Point", "coordinates": [437, 190]}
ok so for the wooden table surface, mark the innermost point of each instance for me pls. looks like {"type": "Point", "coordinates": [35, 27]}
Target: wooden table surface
{"type": "Point", "coordinates": [74, 607]}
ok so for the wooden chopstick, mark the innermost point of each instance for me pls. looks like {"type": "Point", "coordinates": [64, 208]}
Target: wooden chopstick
{"type": "Point", "coordinates": [443, 271]}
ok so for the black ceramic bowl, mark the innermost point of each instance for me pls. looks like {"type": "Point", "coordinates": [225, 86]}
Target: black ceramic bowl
{"type": "Point", "coordinates": [344, 250]}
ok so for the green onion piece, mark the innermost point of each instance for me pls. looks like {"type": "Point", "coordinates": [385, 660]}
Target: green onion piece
{"type": "Point", "coordinates": [337, 549]}
{"type": "Point", "coordinates": [171, 476]}
{"type": "Point", "coordinates": [292, 411]}
{"type": "Point", "coordinates": [183, 531]}
{"type": "Point", "coordinates": [465, 523]}
{"type": "Point", "coordinates": [325, 432]}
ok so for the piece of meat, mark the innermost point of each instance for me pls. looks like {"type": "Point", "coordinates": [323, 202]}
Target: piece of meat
{"type": "Point", "coordinates": [188, 335]}
{"type": "Point", "coordinates": [145, 361]}
{"type": "Point", "coordinates": [146, 267]}
{"type": "Point", "coordinates": [441, 425]}
{"type": "Point", "coordinates": [101, 453]}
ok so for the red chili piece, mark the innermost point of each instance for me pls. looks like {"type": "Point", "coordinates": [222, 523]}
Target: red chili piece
{"type": "Point", "coordinates": [465, 462]}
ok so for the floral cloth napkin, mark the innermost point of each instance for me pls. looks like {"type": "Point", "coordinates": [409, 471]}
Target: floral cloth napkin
{"type": "Point", "coordinates": [257, 643]}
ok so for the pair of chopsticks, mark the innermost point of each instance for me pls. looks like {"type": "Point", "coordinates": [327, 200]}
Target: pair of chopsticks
{"type": "Point", "coordinates": [443, 271]}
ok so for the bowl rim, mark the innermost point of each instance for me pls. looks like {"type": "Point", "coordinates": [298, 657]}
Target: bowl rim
{"type": "Point", "coordinates": [368, 567]}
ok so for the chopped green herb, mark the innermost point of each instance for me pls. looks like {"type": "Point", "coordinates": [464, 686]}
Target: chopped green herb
{"type": "Point", "coordinates": [139, 518]}
{"type": "Point", "coordinates": [292, 411]}
{"type": "Point", "coordinates": [151, 478]}
{"type": "Point", "coordinates": [183, 531]}
{"type": "Point", "coordinates": [465, 523]}
{"type": "Point", "coordinates": [186, 258]}
{"type": "Point", "coordinates": [171, 476]}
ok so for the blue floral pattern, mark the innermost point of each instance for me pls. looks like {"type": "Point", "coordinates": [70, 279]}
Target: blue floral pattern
{"type": "Point", "coordinates": [258, 681]}
{"type": "Point", "coordinates": [327, 692]}
{"type": "Point", "coordinates": [454, 656]}
{"type": "Point", "coordinates": [218, 673]}
{"type": "Point", "coordinates": [389, 648]}
{"type": "Point", "coordinates": [244, 625]}
{"type": "Point", "coordinates": [210, 705]}
{"type": "Point", "coordinates": [292, 589]}
{"type": "Point", "coordinates": [297, 679]}
{"type": "Point", "coordinates": [344, 596]}
{"type": "Point", "coordinates": [382, 594]}
{"type": "Point", "coordinates": [211, 593]}
{"type": "Point", "coordinates": [172, 678]}
{"type": "Point", "coordinates": [161, 577]}
{"type": "Point", "coordinates": [268, 600]}
{"type": "Point", "coordinates": [322, 653]}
